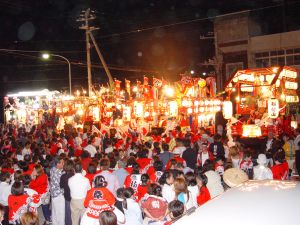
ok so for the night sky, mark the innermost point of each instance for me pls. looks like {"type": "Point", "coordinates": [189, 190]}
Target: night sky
{"type": "Point", "coordinates": [136, 37]}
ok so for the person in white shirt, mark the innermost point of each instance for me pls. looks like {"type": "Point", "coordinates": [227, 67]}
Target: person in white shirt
{"type": "Point", "coordinates": [91, 149]}
{"type": "Point", "coordinates": [79, 186]}
{"type": "Point", "coordinates": [112, 180]}
{"type": "Point", "coordinates": [261, 171]}
{"type": "Point", "coordinates": [179, 148]}
{"type": "Point", "coordinates": [166, 181]}
{"type": "Point", "coordinates": [132, 210]}
{"type": "Point", "coordinates": [5, 188]}
{"type": "Point", "coordinates": [26, 150]}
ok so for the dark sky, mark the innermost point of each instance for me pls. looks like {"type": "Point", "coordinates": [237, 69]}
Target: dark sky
{"type": "Point", "coordinates": [33, 26]}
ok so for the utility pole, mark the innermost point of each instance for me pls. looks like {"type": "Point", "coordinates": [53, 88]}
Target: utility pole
{"type": "Point", "coordinates": [86, 16]}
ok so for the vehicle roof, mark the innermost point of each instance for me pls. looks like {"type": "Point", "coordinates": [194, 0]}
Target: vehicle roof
{"type": "Point", "coordinates": [254, 203]}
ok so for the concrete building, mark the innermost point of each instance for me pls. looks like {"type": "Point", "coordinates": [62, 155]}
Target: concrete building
{"type": "Point", "coordinates": [239, 46]}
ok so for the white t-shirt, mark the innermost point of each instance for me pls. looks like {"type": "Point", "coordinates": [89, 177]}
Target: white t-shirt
{"type": "Point", "coordinates": [168, 192]}
{"type": "Point", "coordinates": [79, 186]}
{"type": "Point", "coordinates": [26, 151]}
{"type": "Point", "coordinates": [91, 149]}
{"type": "Point", "coordinates": [261, 172]}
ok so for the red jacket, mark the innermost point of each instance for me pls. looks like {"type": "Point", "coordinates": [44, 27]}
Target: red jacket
{"type": "Point", "coordinates": [143, 162]}
{"type": "Point", "coordinates": [280, 171]}
{"type": "Point", "coordinates": [204, 196]}
{"type": "Point", "coordinates": [141, 191]}
{"type": "Point", "coordinates": [99, 194]}
{"type": "Point", "coordinates": [133, 181]}
{"type": "Point", "coordinates": [40, 184]}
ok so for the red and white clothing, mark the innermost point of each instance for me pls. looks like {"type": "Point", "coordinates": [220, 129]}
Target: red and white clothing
{"type": "Point", "coordinates": [219, 169]}
{"type": "Point", "coordinates": [133, 181]}
{"type": "Point", "coordinates": [280, 171]}
{"type": "Point", "coordinates": [18, 205]}
{"type": "Point", "coordinates": [155, 205]}
{"type": "Point", "coordinates": [41, 186]}
{"type": "Point", "coordinates": [154, 177]}
{"type": "Point", "coordinates": [178, 159]}
{"type": "Point", "coordinates": [202, 157]}
{"type": "Point", "coordinates": [143, 163]}
{"type": "Point", "coordinates": [246, 165]}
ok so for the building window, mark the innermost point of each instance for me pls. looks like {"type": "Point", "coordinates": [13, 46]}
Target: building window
{"type": "Point", "coordinates": [289, 57]}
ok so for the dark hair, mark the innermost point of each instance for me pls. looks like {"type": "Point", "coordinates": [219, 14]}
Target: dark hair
{"type": "Point", "coordinates": [176, 208]}
{"type": "Point", "coordinates": [100, 181]}
{"type": "Point", "coordinates": [69, 166]}
{"type": "Point", "coordinates": [17, 188]}
{"type": "Point", "coordinates": [27, 158]}
{"type": "Point", "coordinates": [4, 176]}
{"type": "Point", "coordinates": [92, 169]}
{"type": "Point", "coordinates": [158, 165]}
{"type": "Point", "coordinates": [120, 192]}
{"type": "Point", "coordinates": [23, 166]}
{"type": "Point", "coordinates": [18, 175]}
{"type": "Point", "coordinates": [163, 179]}
{"type": "Point", "coordinates": [155, 189]}
{"type": "Point", "coordinates": [127, 193]}
{"type": "Point", "coordinates": [202, 178]}
{"type": "Point", "coordinates": [108, 218]}
{"type": "Point", "coordinates": [279, 156]}
{"type": "Point", "coordinates": [190, 179]}
{"type": "Point", "coordinates": [165, 147]}
{"type": "Point", "coordinates": [104, 164]}
{"type": "Point", "coordinates": [135, 168]}
{"type": "Point", "coordinates": [176, 173]}
{"type": "Point", "coordinates": [145, 179]}
{"type": "Point", "coordinates": [78, 167]}
{"type": "Point", "coordinates": [26, 180]}
{"type": "Point", "coordinates": [208, 165]}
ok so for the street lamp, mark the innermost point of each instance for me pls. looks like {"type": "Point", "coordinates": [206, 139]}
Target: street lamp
{"type": "Point", "coordinates": [47, 56]}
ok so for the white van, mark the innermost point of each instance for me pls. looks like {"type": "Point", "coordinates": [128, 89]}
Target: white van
{"type": "Point", "coordinates": [267, 202]}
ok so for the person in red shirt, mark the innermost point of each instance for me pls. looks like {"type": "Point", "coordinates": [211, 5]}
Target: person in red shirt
{"type": "Point", "coordinates": [158, 171]}
{"type": "Point", "coordinates": [142, 189]}
{"type": "Point", "coordinates": [204, 195]}
{"type": "Point", "coordinates": [143, 160]}
{"type": "Point", "coordinates": [40, 184]}
{"type": "Point", "coordinates": [154, 205]}
{"type": "Point", "coordinates": [19, 202]}
{"type": "Point", "coordinates": [91, 172]}
{"type": "Point", "coordinates": [177, 158]}
{"type": "Point", "coordinates": [133, 180]}
{"type": "Point", "coordinates": [281, 168]}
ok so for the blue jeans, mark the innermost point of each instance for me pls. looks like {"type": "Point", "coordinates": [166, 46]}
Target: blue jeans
{"type": "Point", "coordinates": [46, 212]}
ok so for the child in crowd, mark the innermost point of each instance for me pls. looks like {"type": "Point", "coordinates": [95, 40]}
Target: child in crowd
{"type": "Point", "coordinates": [281, 168]}
{"type": "Point", "coordinates": [142, 187]}
{"type": "Point", "coordinates": [204, 195]}
{"type": "Point", "coordinates": [219, 165]}
{"type": "Point", "coordinates": [247, 165]}
{"type": "Point", "coordinates": [175, 211]}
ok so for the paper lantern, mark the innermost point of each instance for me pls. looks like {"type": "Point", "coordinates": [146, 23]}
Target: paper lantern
{"type": "Point", "coordinates": [294, 124]}
{"type": "Point", "coordinates": [273, 108]}
{"type": "Point", "coordinates": [227, 110]}
{"type": "Point", "coordinates": [251, 131]}
{"type": "Point", "coordinates": [202, 83]}
{"type": "Point", "coordinates": [173, 108]}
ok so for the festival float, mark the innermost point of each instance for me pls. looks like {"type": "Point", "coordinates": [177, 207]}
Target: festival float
{"type": "Point", "coordinates": [263, 100]}
{"type": "Point", "coordinates": [189, 102]}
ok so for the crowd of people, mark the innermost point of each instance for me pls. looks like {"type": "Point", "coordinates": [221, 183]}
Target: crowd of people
{"type": "Point", "coordinates": [77, 177]}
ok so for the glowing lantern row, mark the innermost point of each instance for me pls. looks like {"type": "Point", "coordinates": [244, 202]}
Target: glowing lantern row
{"type": "Point", "coordinates": [273, 108]}
{"type": "Point", "coordinates": [227, 110]}
{"type": "Point", "coordinates": [291, 98]}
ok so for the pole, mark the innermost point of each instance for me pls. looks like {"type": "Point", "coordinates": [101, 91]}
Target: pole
{"type": "Point", "coordinates": [88, 51]}
{"type": "Point", "coordinates": [69, 67]}
{"type": "Point", "coordinates": [111, 81]}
